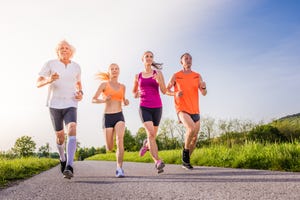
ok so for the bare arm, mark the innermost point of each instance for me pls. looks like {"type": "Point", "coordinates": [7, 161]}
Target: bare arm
{"type": "Point", "coordinates": [202, 86]}
{"type": "Point", "coordinates": [161, 81]}
{"type": "Point", "coordinates": [97, 94]}
{"type": "Point", "coordinates": [135, 87]}
{"type": "Point", "coordinates": [79, 86]}
{"type": "Point", "coordinates": [42, 81]}
{"type": "Point", "coordinates": [125, 101]}
{"type": "Point", "coordinates": [170, 85]}
{"type": "Point", "coordinates": [79, 93]}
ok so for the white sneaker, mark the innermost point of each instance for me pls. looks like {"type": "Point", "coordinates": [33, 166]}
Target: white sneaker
{"type": "Point", "coordinates": [120, 173]}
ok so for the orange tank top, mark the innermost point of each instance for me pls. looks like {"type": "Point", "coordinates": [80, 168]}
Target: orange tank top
{"type": "Point", "coordinates": [117, 95]}
{"type": "Point", "coordinates": [188, 83]}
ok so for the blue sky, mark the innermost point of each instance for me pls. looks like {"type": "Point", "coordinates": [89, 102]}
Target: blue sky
{"type": "Point", "coordinates": [247, 52]}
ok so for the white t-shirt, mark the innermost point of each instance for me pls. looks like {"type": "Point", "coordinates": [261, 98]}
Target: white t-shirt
{"type": "Point", "coordinates": [61, 93]}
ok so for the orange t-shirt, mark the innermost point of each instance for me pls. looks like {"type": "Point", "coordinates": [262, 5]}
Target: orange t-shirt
{"type": "Point", "coordinates": [188, 83]}
{"type": "Point", "coordinates": [117, 95]}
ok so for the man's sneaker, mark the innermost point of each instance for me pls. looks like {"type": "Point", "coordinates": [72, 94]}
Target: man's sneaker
{"type": "Point", "coordinates": [187, 166]}
{"type": "Point", "coordinates": [159, 165]}
{"type": "Point", "coordinates": [144, 148]}
{"type": "Point", "coordinates": [120, 173]}
{"type": "Point", "coordinates": [68, 173]}
{"type": "Point", "coordinates": [62, 166]}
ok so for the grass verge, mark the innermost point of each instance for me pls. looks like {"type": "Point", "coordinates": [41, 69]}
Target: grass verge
{"type": "Point", "coordinates": [21, 168]}
{"type": "Point", "coordinates": [279, 157]}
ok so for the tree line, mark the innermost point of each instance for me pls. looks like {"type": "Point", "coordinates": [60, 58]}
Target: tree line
{"type": "Point", "coordinates": [171, 136]}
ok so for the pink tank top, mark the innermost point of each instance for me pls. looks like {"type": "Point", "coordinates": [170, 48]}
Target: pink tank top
{"type": "Point", "coordinates": [149, 91]}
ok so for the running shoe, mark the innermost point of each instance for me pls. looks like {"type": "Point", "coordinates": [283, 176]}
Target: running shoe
{"type": "Point", "coordinates": [186, 160]}
{"type": "Point", "coordinates": [144, 148]}
{"type": "Point", "coordinates": [62, 166]}
{"type": "Point", "coordinates": [187, 166]}
{"type": "Point", "coordinates": [68, 173]}
{"type": "Point", "coordinates": [120, 173]}
{"type": "Point", "coordinates": [159, 165]}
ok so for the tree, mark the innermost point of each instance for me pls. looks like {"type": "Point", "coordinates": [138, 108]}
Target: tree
{"type": "Point", "coordinates": [207, 126]}
{"type": "Point", "coordinates": [129, 142]}
{"type": "Point", "coordinates": [44, 151]}
{"type": "Point", "coordinates": [166, 137]}
{"type": "Point", "coordinates": [24, 146]}
{"type": "Point", "coordinates": [266, 133]}
{"type": "Point", "coordinates": [141, 135]}
{"type": "Point", "coordinates": [180, 129]}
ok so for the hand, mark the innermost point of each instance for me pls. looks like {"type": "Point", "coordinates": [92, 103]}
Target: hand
{"type": "Point", "coordinates": [126, 102]}
{"type": "Point", "coordinates": [179, 94]}
{"type": "Point", "coordinates": [107, 98]}
{"type": "Point", "coordinates": [78, 96]}
{"type": "Point", "coordinates": [157, 77]}
{"type": "Point", "coordinates": [137, 95]}
{"type": "Point", "coordinates": [54, 77]}
{"type": "Point", "coordinates": [203, 85]}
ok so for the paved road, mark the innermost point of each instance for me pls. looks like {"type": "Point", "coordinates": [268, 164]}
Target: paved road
{"type": "Point", "coordinates": [95, 180]}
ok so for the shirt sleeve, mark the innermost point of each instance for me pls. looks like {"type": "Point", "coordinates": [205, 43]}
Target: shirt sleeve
{"type": "Point", "coordinates": [45, 71]}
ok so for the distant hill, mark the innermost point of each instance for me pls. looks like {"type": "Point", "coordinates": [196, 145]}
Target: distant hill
{"type": "Point", "coordinates": [288, 125]}
{"type": "Point", "coordinates": [289, 117]}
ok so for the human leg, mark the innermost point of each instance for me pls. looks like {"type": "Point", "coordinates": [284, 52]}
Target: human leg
{"type": "Point", "coordinates": [194, 137]}
{"type": "Point", "coordinates": [151, 118]}
{"type": "Point", "coordinates": [56, 116]}
{"type": "Point", "coordinates": [190, 127]}
{"type": "Point", "coordinates": [120, 130]}
{"type": "Point", "coordinates": [109, 138]}
{"type": "Point", "coordinates": [189, 136]}
{"type": "Point", "coordinates": [144, 148]}
{"type": "Point", "coordinates": [70, 118]}
{"type": "Point", "coordinates": [60, 143]}
{"type": "Point", "coordinates": [151, 135]}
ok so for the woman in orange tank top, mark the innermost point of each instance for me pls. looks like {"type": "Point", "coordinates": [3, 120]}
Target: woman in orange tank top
{"type": "Point", "coordinates": [113, 95]}
{"type": "Point", "coordinates": [187, 85]}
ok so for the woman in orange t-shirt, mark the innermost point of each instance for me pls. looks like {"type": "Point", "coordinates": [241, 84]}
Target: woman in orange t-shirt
{"type": "Point", "coordinates": [187, 84]}
{"type": "Point", "coordinates": [113, 95]}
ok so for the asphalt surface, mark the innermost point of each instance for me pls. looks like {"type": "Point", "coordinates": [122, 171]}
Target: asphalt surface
{"type": "Point", "coordinates": [96, 180]}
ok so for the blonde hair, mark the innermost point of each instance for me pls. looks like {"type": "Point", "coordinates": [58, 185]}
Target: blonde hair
{"type": "Point", "coordinates": [104, 76]}
{"type": "Point", "coordinates": [68, 44]}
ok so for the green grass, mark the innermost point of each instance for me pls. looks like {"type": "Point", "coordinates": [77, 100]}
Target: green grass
{"type": "Point", "coordinates": [280, 157]}
{"type": "Point", "coordinates": [21, 168]}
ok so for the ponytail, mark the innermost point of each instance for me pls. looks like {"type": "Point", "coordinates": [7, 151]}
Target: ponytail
{"type": "Point", "coordinates": [103, 76]}
{"type": "Point", "coordinates": [157, 65]}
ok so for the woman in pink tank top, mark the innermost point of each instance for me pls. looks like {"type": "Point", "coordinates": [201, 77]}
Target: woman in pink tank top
{"type": "Point", "coordinates": [146, 87]}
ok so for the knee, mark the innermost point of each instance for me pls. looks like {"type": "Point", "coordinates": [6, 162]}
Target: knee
{"type": "Point", "coordinates": [119, 142]}
{"type": "Point", "coordinates": [109, 147]}
{"type": "Point", "coordinates": [194, 138]}
{"type": "Point", "coordinates": [151, 137]}
{"type": "Point", "coordinates": [60, 136]}
{"type": "Point", "coordinates": [191, 129]}
{"type": "Point", "coordinates": [72, 128]}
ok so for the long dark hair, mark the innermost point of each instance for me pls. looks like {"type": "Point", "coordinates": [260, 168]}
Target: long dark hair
{"type": "Point", "coordinates": [154, 64]}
